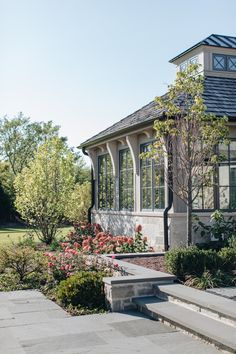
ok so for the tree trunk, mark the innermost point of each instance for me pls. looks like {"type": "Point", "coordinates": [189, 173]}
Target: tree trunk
{"type": "Point", "coordinates": [189, 224]}
{"type": "Point", "coordinates": [189, 213]}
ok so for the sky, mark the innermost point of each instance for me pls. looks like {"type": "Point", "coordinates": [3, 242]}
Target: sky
{"type": "Point", "coordinates": [86, 64]}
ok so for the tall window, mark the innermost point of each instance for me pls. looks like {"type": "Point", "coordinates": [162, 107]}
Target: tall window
{"type": "Point", "coordinates": [222, 194]}
{"type": "Point", "coordinates": [105, 183]}
{"type": "Point", "coordinates": [227, 177]}
{"type": "Point", "coordinates": [152, 182]}
{"type": "Point", "coordinates": [126, 180]}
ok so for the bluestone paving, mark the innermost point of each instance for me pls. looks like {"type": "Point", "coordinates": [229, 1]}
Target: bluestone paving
{"type": "Point", "coordinates": [26, 328]}
{"type": "Point", "coordinates": [229, 292]}
{"type": "Point", "coordinates": [211, 330]}
{"type": "Point", "coordinates": [224, 306]}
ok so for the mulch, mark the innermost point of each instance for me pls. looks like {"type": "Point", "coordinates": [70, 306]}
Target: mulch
{"type": "Point", "coordinates": [155, 263]}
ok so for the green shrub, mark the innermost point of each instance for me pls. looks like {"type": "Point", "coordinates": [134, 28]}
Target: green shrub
{"type": "Point", "coordinates": [194, 261]}
{"type": "Point", "coordinates": [84, 289]}
{"type": "Point", "coordinates": [27, 240]}
{"type": "Point", "coordinates": [232, 241]}
{"type": "Point", "coordinates": [208, 280]}
{"type": "Point", "coordinates": [220, 227]}
{"type": "Point", "coordinates": [228, 258]}
{"type": "Point", "coordinates": [22, 260]}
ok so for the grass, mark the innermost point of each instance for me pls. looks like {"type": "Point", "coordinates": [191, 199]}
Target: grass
{"type": "Point", "coordinates": [13, 234]}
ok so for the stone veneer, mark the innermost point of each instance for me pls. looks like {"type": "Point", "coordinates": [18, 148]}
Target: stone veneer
{"type": "Point", "coordinates": [141, 281]}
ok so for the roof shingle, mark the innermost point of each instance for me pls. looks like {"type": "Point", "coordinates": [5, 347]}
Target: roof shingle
{"type": "Point", "coordinates": [219, 96]}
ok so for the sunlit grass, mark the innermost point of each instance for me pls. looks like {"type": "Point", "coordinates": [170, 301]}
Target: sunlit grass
{"type": "Point", "coordinates": [14, 234]}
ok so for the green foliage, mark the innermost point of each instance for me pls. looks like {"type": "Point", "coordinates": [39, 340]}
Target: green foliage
{"type": "Point", "coordinates": [19, 139]}
{"type": "Point", "coordinates": [84, 289]}
{"type": "Point", "coordinates": [232, 241]}
{"type": "Point", "coordinates": [27, 240]}
{"type": "Point", "coordinates": [208, 280]}
{"type": "Point", "coordinates": [220, 227]}
{"type": "Point", "coordinates": [7, 210]}
{"type": "Point", "coordinates": [228, 259]}
{"type": "Point", "coordinates": [183, 261]}
{"type": "Point", "coordinates": [82, 171]}
{"type": "Point", "coordinates": [187, 137]}
{"type": "Point", "coordinates": [78, 203]}
{"type": "Point", "coordinates": [203, 268]}
{"type": "Point", "coordinates": [23, 261]}
{"type": "Point", "coordinates": [43, 188]}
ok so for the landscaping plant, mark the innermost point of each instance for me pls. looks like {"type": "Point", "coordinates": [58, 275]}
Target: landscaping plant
{"type": "Point", "coordinates": [92, 240]}
{"type": "Point", "coordinates": [84, 289]}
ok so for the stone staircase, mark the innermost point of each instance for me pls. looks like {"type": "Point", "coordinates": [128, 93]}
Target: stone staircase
{"type": "Point", "coordinates": [205, 315]}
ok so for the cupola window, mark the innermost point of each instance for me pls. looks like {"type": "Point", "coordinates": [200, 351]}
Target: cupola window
{"type": "Point", "coordinates": [224, 62]}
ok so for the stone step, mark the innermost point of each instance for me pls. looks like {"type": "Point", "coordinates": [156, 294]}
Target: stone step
{"type": "Point", "coordinates": [201, 301]}
{"type": "Point", "coordinates": [211, 330]}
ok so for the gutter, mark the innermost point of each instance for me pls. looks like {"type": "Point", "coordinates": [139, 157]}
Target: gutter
{"type": "Point", "coordinates": [92, 189]}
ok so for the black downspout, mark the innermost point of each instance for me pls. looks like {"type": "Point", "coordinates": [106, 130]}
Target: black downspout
{"type": "Point", "coordinates": [92, 190]}
{"type": "Point", "coordinates": [165, 216]}
{"type": "Point", "coordinates": [170, 200]}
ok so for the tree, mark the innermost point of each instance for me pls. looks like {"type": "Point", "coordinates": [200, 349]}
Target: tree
{"type": "Point", "coordinates": [79, 202]}
{"type": "Point", "coordinates": [188, 136]}
{"type": "Point", "coordinates": [19, 139]}
{"type": "Point", "coordinates": [44, 187]}
{"type": "Point", "coordinates": [7, 210]}
{"type": "Point", "coordinates": [82, 171]}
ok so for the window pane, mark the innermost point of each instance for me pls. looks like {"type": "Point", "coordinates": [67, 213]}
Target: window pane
{"type": "Point", "coordinates": [183, 66]}
{"type": "Point", "coordinates": [198, 202]}
{"type": "Point", "coordinates": [105, 183]}
{"type": "Point", "coordinates": [224, 197]}
{"type": "Point", "coordinates": [152, 182]}
{"type": "Point", "coordinates": [231, 63]}
{"type": "Point", "coordinates": [126, 181]}
{"type": "Point", "coordinates": [160, 198]}
{"type": "Point", "coordinates": [193, 60]}
{"type": "Point", "coordinates": [146, 198]}
{"type": "Point", "coordinates": [224, 175]}
{"type": "Point", "coordinates": [219, 62]}
{"type": "Point", "coordinates": [208, 200]}
{"type": "Point", "coordinates": [224, 152]}
{"type": "Point", "coordinates": [233, 151]}
{"type": "Point", "coordinates": [232, 197]}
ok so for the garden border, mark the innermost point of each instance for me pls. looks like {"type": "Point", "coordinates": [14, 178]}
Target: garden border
{"type": "Point", "coordinates": [140, 281]}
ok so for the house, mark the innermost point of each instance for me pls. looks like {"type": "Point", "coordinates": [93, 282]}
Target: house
{"type": "Point", "coordinates": [125, 189]}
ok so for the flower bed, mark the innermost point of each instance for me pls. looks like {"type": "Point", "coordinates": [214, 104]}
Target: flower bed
{"type": "Point", "coordinates": [73, 271]}
{"type": "Point", "coordinates": [90, 239]}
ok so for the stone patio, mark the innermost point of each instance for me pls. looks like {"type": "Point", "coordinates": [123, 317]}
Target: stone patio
{"type": "Point", "coordinates": [31, 324]}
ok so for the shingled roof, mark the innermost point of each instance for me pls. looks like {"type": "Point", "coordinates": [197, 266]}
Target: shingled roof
{"type": "Point", "coordinates": [219, 96]}
{"type": "Point", "coordinates": [214, 40]}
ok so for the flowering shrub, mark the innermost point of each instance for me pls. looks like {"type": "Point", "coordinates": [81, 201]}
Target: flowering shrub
{"type": "Point", "coordinates": [71, 260]}
{"type": "Point", "coordinates": [83, 229]}
{"type": "Point", "coordinates": [92, 240]}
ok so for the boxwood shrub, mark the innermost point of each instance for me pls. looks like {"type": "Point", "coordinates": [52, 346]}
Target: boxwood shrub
{"type": "Point", "coordinates": [191, 261]}
{"type": "Point", "coordinates": [84, 289]}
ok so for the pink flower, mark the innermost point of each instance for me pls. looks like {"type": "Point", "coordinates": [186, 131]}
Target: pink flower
{"type": "Point", "coordinates": [113, 257]}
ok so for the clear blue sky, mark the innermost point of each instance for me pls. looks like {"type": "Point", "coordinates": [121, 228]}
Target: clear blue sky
{"type": "Point", "coordinates": [85, 64]}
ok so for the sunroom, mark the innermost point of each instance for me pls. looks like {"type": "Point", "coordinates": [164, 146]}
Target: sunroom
{"type": "Point", "coordinates": [129, 190]}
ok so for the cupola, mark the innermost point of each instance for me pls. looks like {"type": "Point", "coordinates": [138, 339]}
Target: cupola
{"type": "Point", "coordinates": [216, 54]}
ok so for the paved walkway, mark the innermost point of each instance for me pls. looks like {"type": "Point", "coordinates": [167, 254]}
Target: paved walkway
{"type": "Point", "coordinates": [29, 323]}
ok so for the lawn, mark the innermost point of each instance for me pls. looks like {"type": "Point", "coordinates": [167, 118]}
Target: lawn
{"type": "Point", "coordinates": [13, 234]}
